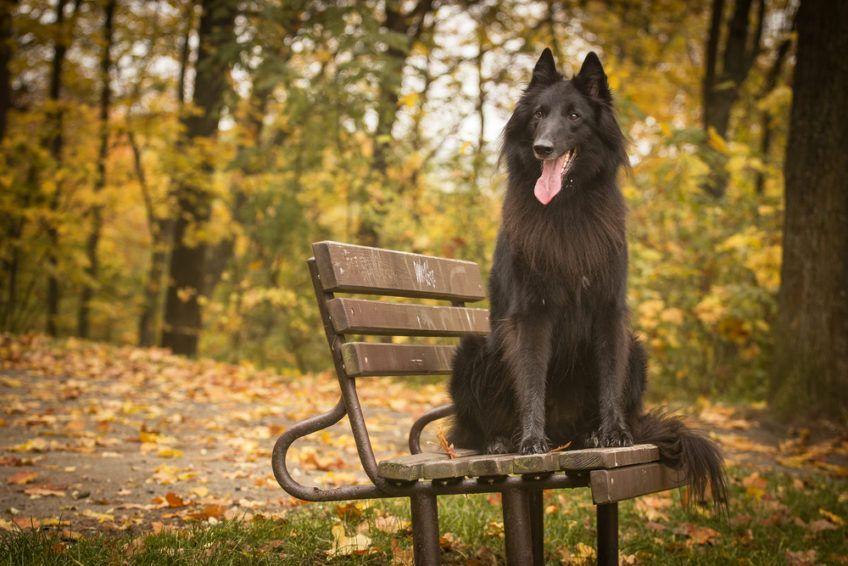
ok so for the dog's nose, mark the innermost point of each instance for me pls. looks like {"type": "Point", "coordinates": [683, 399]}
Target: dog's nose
{"type": "Point", "coordinates": [543, 149]}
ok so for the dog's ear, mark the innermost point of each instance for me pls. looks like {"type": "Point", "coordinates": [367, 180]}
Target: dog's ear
{"type": "Point", "coordinates": [545, 73]}
{"type": "Point", "coordinates": [591, 80]}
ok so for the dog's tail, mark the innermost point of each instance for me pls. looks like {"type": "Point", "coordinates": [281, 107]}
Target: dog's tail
{"type": "Point", "coordinates": [688, 450]}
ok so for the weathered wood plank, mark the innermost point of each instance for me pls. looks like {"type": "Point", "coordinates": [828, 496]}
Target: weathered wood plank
{"type": "Point", "coordinates": [358, 316]}
{"type": "Point", "coordinates": [472, 464]}
{"type": "Point", "coordinates": [408, 468]}
{"type": "Point", "coordinates": [535, 463]}
{"type": "Point", "coordinates": [359, 269]}
{"type": "Point", "coordinates": [594, 458]}
{"type": "Point", "coordinates": [362, 359]}
{"type": "Point", "coordinates": [619, 484]}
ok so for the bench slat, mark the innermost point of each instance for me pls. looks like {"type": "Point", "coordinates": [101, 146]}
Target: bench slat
{"type": "Point", "coordinates": [358, 269]}
{"type": "Point", "coordinates": [358, 316]}
{"type": "Point", "coordinates": [609, 486]}
{"type": "Point", "coordinates": [362, 359]}
{"type": "Point", "coordinates": [439, 466]}
{"type": "Point", "coordinates": [408, 468]}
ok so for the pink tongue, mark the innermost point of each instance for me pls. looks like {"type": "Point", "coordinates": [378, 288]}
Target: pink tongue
{"type": "Point", "coordinates": [550, 182]}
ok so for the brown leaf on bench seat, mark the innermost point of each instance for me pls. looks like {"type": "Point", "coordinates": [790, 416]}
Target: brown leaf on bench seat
{"type": "Point", "coordinates": [562, 448]}
{"type": "Point", "coordinates": [445, 445]}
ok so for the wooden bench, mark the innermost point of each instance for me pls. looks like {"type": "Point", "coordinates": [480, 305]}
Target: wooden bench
{"type": "Point", "coordinates": [612, 474]}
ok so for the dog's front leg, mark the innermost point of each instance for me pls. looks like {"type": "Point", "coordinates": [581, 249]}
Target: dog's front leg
{"type": "Point", "coordinates": [611, 344]}
{"type": "Point", "coordinates": [526, 341]}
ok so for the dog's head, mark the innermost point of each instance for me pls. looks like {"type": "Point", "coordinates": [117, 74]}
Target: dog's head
{"type": "Point", "coordinates": [565, 128]}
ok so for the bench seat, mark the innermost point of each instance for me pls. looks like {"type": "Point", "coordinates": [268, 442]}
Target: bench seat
{"type": "Point", "coordinates": [438, 465]}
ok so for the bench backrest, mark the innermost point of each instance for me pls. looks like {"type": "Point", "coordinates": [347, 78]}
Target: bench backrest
{"type": "Point", "coordinates": [351, 269]}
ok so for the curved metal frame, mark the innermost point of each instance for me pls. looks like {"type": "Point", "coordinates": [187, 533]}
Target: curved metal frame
{"type": "Point", "coordinates": [425, 419]}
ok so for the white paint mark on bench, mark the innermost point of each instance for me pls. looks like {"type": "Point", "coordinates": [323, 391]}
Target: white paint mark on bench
{"type": "Point", "coordinates": [423, 274]}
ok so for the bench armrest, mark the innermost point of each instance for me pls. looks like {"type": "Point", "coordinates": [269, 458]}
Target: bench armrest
{"type": "Point", "coordinates": [424, 420]}
{"type": "Point", "coordinates": [307, 493]}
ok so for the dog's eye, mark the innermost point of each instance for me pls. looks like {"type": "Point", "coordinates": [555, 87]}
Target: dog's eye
{"type": "Point", "coordinates": [538, 114]}
{"type": "Point", "coordinates": [574, 116]}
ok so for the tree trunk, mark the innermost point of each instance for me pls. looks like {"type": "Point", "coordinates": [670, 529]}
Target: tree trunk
{"type": "Point", "coordinates": [161, 229]}
{"type": "Point", "coordinates": [96, 212]}
{"type": "Point", "coordinates": [160, 237]}
{"type": "Point", "coordinates": [188, 258]}
{"type": "Point", "coordinates": [55, 143]}
{"type": "Point", "coordinates": [711, 57]}
{"type": "Point", "coordinates": [10, 262]}
{"type": "Point", "coordinates": [6, 43]}
{"type": "Point", "coordinates": [721, 86]}
{"type": "Point", "coordinates": [811, 353]}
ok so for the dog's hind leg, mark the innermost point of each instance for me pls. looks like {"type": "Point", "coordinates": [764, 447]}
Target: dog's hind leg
{"type": "Point", "coordinates": [611, 343]}
{"type": "Point", "coordinates": [526, 342]}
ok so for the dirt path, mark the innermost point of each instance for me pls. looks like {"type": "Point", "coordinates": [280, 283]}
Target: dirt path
{"type": "Point", "coordinates": [100, 437]}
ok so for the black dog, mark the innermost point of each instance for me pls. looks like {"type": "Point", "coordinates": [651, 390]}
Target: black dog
{"type": "Point", "coordinates": [561, 364]}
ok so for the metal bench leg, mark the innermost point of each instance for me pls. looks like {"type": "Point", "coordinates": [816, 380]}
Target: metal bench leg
{"type": "Point", "coordinates": [425, 530]}
{"type": "Point", "coordinates": [537, 526]}
{"type": "Point", "coordinates": [517, 527]}
{"type": "Point", "coordinates": [607, 534]}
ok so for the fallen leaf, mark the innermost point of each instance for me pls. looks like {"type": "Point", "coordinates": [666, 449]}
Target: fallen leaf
{"type": "Point", "coordinates": [21, 478]}
{"type": "Point", "coordinates": [562, 448]}
{"type": "Point", "coordinates": [651, 507]}
{"type": "Point", "coordinates": [696, 534]}
{"type": "Point", "coordinates": [210, 511]}
{"type": "Point", "coordinates": [390, 524]}
{"type": "Point", "coordinates": [168, 452]}
{"type": "Point", "coordinates": [755, 485]}
{"type": "Point", "coordinates": [401, 556]}
{"type": "Point", "coordinates": [349, 511]}
{"type": "Point", "coordinates": [32, 445]}
{"type": "Point", "coordinates": [445, 445]}
{"type": "Point", "coordinates": [26, 522]}
{"type": "Point", "coordinates": [344, 545]}
{"type": "Point", "coordinates": [583, 554]}
{"type": "Point", "coordinates": [101, 517]}
{"type": "Point", "coordinates": [494, 529]}
{"type": "Point", "coordinates": [801, 557]}
{"type": "Point", "coordinates": [832, 516]}
{"type": "Point", "coordinates": [174, 500]}
{"type": "Point", "coordinates": [37, 491]}
{"type": "Point", "coordinates": [821, 525]}
{"type": "Point", "coordinates": [447, 540]}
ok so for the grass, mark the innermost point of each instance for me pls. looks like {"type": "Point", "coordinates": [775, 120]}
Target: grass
{"type": "Point", "coordinates": [768, 520]}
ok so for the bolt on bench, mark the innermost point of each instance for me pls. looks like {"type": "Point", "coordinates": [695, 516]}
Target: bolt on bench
{"type": "Point", "coordinates": [613, 474]}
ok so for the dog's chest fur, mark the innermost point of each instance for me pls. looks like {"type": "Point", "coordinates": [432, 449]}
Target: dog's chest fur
{"type": "Point", "coordinates": [567, 254]}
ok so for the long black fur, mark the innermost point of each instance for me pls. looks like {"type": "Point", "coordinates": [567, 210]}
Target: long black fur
{"type": "Point", "coordinates": [561, 363]}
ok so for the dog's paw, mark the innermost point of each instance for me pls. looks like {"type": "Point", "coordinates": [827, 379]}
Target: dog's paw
{"type": "Point", "coordinates": [497, 445]}
{"type": "Point", "coordinates": [612, 437]}
{"type": "Point", "coordinates": [532, 445]}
